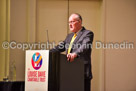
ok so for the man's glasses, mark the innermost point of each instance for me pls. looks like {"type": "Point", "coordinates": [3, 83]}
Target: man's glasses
{"type": "Point", "coordinates": [72, 22]}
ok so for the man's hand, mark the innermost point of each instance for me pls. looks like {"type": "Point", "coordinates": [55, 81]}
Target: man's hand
{"type": "Point", "coordinates": [71, 56]}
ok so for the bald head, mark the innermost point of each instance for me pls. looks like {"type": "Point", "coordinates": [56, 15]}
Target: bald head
{"type": "Point", "coordinates": [77, 16]}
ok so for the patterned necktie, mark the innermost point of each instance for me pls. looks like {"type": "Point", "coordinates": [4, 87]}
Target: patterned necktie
{"type": "Point", "coordinates": [70, 46]}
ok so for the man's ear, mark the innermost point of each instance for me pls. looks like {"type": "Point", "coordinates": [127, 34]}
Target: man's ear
{"type": "Point", "coordinates": [80, 21]}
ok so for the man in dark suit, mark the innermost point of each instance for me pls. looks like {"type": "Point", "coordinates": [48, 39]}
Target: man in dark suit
{"type": "Point", "coordinates": [79, 41]}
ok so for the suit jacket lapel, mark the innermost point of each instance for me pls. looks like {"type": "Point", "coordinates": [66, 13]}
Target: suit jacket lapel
{"type": "Point", "coordinates": [78, 36]}
{"type": "Point", "coordinates": [69, 39]}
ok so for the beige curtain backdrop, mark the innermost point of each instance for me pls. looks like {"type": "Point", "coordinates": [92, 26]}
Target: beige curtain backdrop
{"type": "Point", "coordinates": [111, 21]}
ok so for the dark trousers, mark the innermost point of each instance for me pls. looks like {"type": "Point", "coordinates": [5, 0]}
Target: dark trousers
{"type": "Point", "coordinates": [87, 85]}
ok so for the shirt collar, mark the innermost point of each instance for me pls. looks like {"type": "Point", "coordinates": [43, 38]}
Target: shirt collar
{"type": "Point", "coordinates": [79, 31]}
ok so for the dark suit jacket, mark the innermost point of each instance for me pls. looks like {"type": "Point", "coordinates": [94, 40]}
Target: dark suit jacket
{"type": "Point", "coordinates": [81, 46]}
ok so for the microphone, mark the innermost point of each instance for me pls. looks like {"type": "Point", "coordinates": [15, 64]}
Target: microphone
{"type": "Point", "coordinates": [47, 38]}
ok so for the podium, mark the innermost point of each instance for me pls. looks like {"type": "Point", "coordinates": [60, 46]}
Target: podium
{"type": "Point", "coordinates": [62, 74]}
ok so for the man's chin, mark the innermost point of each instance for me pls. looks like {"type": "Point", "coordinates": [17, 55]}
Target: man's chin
{"type": "Point", "coordinates": [71, 30]}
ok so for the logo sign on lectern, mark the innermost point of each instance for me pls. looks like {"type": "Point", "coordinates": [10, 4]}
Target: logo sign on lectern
{"type": "Point", "coordinates": [37, 61]}
{"type": "Point", "coordinates": [36, 70]}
